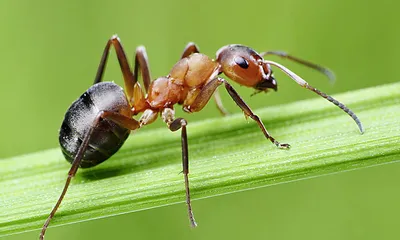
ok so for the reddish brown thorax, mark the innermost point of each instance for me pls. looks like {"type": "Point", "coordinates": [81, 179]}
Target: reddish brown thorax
{"type": "Point", "coordinates": [184, 82]}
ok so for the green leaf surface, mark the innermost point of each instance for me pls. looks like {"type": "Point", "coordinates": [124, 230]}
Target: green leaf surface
{"type": "Point", "coordinates": [227, 155]}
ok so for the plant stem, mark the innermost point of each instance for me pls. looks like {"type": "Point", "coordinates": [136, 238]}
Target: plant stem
{"type": "Point", "coordinates": [226, 155]}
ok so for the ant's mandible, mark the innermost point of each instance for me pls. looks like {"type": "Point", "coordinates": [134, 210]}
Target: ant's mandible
{"type": "Point", "coordinates": [98, 123]}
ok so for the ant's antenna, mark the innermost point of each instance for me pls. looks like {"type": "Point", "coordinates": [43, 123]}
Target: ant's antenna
{"type": "Point", "coordinates": [314, 66]}
{"type": "Point", "coordinates": [304, 84]}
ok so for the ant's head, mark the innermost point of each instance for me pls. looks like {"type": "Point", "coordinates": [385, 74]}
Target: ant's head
{"type": "Point", "coordinates": [246, 67]}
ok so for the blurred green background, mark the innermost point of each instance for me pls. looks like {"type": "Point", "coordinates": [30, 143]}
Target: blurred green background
{"type": "Point", "coordinates": [49, 56]}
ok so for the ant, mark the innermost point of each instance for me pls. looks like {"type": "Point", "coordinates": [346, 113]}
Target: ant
{"type": "Point", "coordinates": [98, 122]}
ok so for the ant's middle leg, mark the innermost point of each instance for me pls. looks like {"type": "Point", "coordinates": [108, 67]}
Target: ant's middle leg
{"type": "Point", "coordinates": [205, 94]}
{"type": "Point", "coordinates": [168, 115]}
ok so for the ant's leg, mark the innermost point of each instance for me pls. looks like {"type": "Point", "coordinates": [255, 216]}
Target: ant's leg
{"type": "Point", "coordinates": [248, 112]}
{"type": "Point", "coordinates": [138, 102]}
{"type": "Point", "coordinates": [317, 67]}
{"type": "Point", "coordinates": [130, 78]}
{"type": "Point", "coordinates": [190, 49]}
{"type": "Point", "coordinates": [218, 102]}
{"type": "Point", "coordinates": [142, 62]}
{"type": "Point", "coordinates": [204, 96]}
{"type": "Point", "coordinates": [123, 62]}
{"type": "Point", "coordinates": [71, 173]}
{"type": "Point", "coordinates": [121, 120]}
{"type": "Point", "coordinates": [174, 125]}
{"type": "Point", "coordinates": [193, 48]}
{"type": "Point", "coordinates": [129, 123]}
{"type": "Point", "coordinates": [305, 84]}
{"type": "Point", "coordinates": [148, 117]}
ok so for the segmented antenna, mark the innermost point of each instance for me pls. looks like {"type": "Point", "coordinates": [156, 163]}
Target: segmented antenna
{"type": "Point", "coordinates": [314, 66]}
{"type": "Point", "coordinates": [304, 84]}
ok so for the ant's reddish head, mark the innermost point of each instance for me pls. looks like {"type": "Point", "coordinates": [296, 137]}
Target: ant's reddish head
{"type": "Point", "coordinates": [246, 67]}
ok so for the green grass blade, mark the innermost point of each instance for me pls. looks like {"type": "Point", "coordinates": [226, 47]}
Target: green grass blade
{"type": "Point", "coordinates": [226, 155]}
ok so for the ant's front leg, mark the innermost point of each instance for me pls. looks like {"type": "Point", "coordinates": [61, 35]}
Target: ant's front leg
{"type": "Point", "coordinates": [190, 49]}
{"type": "Point", "coordinates": [218, 102]}
{"type": "Point", "coordinates": [193, 48]}
{"type": "Point", "coordinates": [205, 94]}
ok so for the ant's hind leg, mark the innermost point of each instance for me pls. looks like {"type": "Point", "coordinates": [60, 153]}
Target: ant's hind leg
{"type": "Point", "coordinates": [130, 78]}
{"type": "Point", "coordinates": [75, 165]}
{"type": "Point", "coordinates": [122, 120]}
{"type": "Point", "coordinates": [123, 62]}
{"type": "Point", "coordinates": [138, 101]}
{"type": "Point", "coordinates": [168, 116]}
{"type": "Point", "coordinates": [142, 62]}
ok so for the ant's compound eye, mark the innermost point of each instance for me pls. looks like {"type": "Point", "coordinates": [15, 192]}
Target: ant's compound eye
{"type": "Point", "coordinates": [241, 62]}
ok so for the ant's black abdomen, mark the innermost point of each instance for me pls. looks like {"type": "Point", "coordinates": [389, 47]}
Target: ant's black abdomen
{"type": "Point", "coordinates": [107, 136]}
